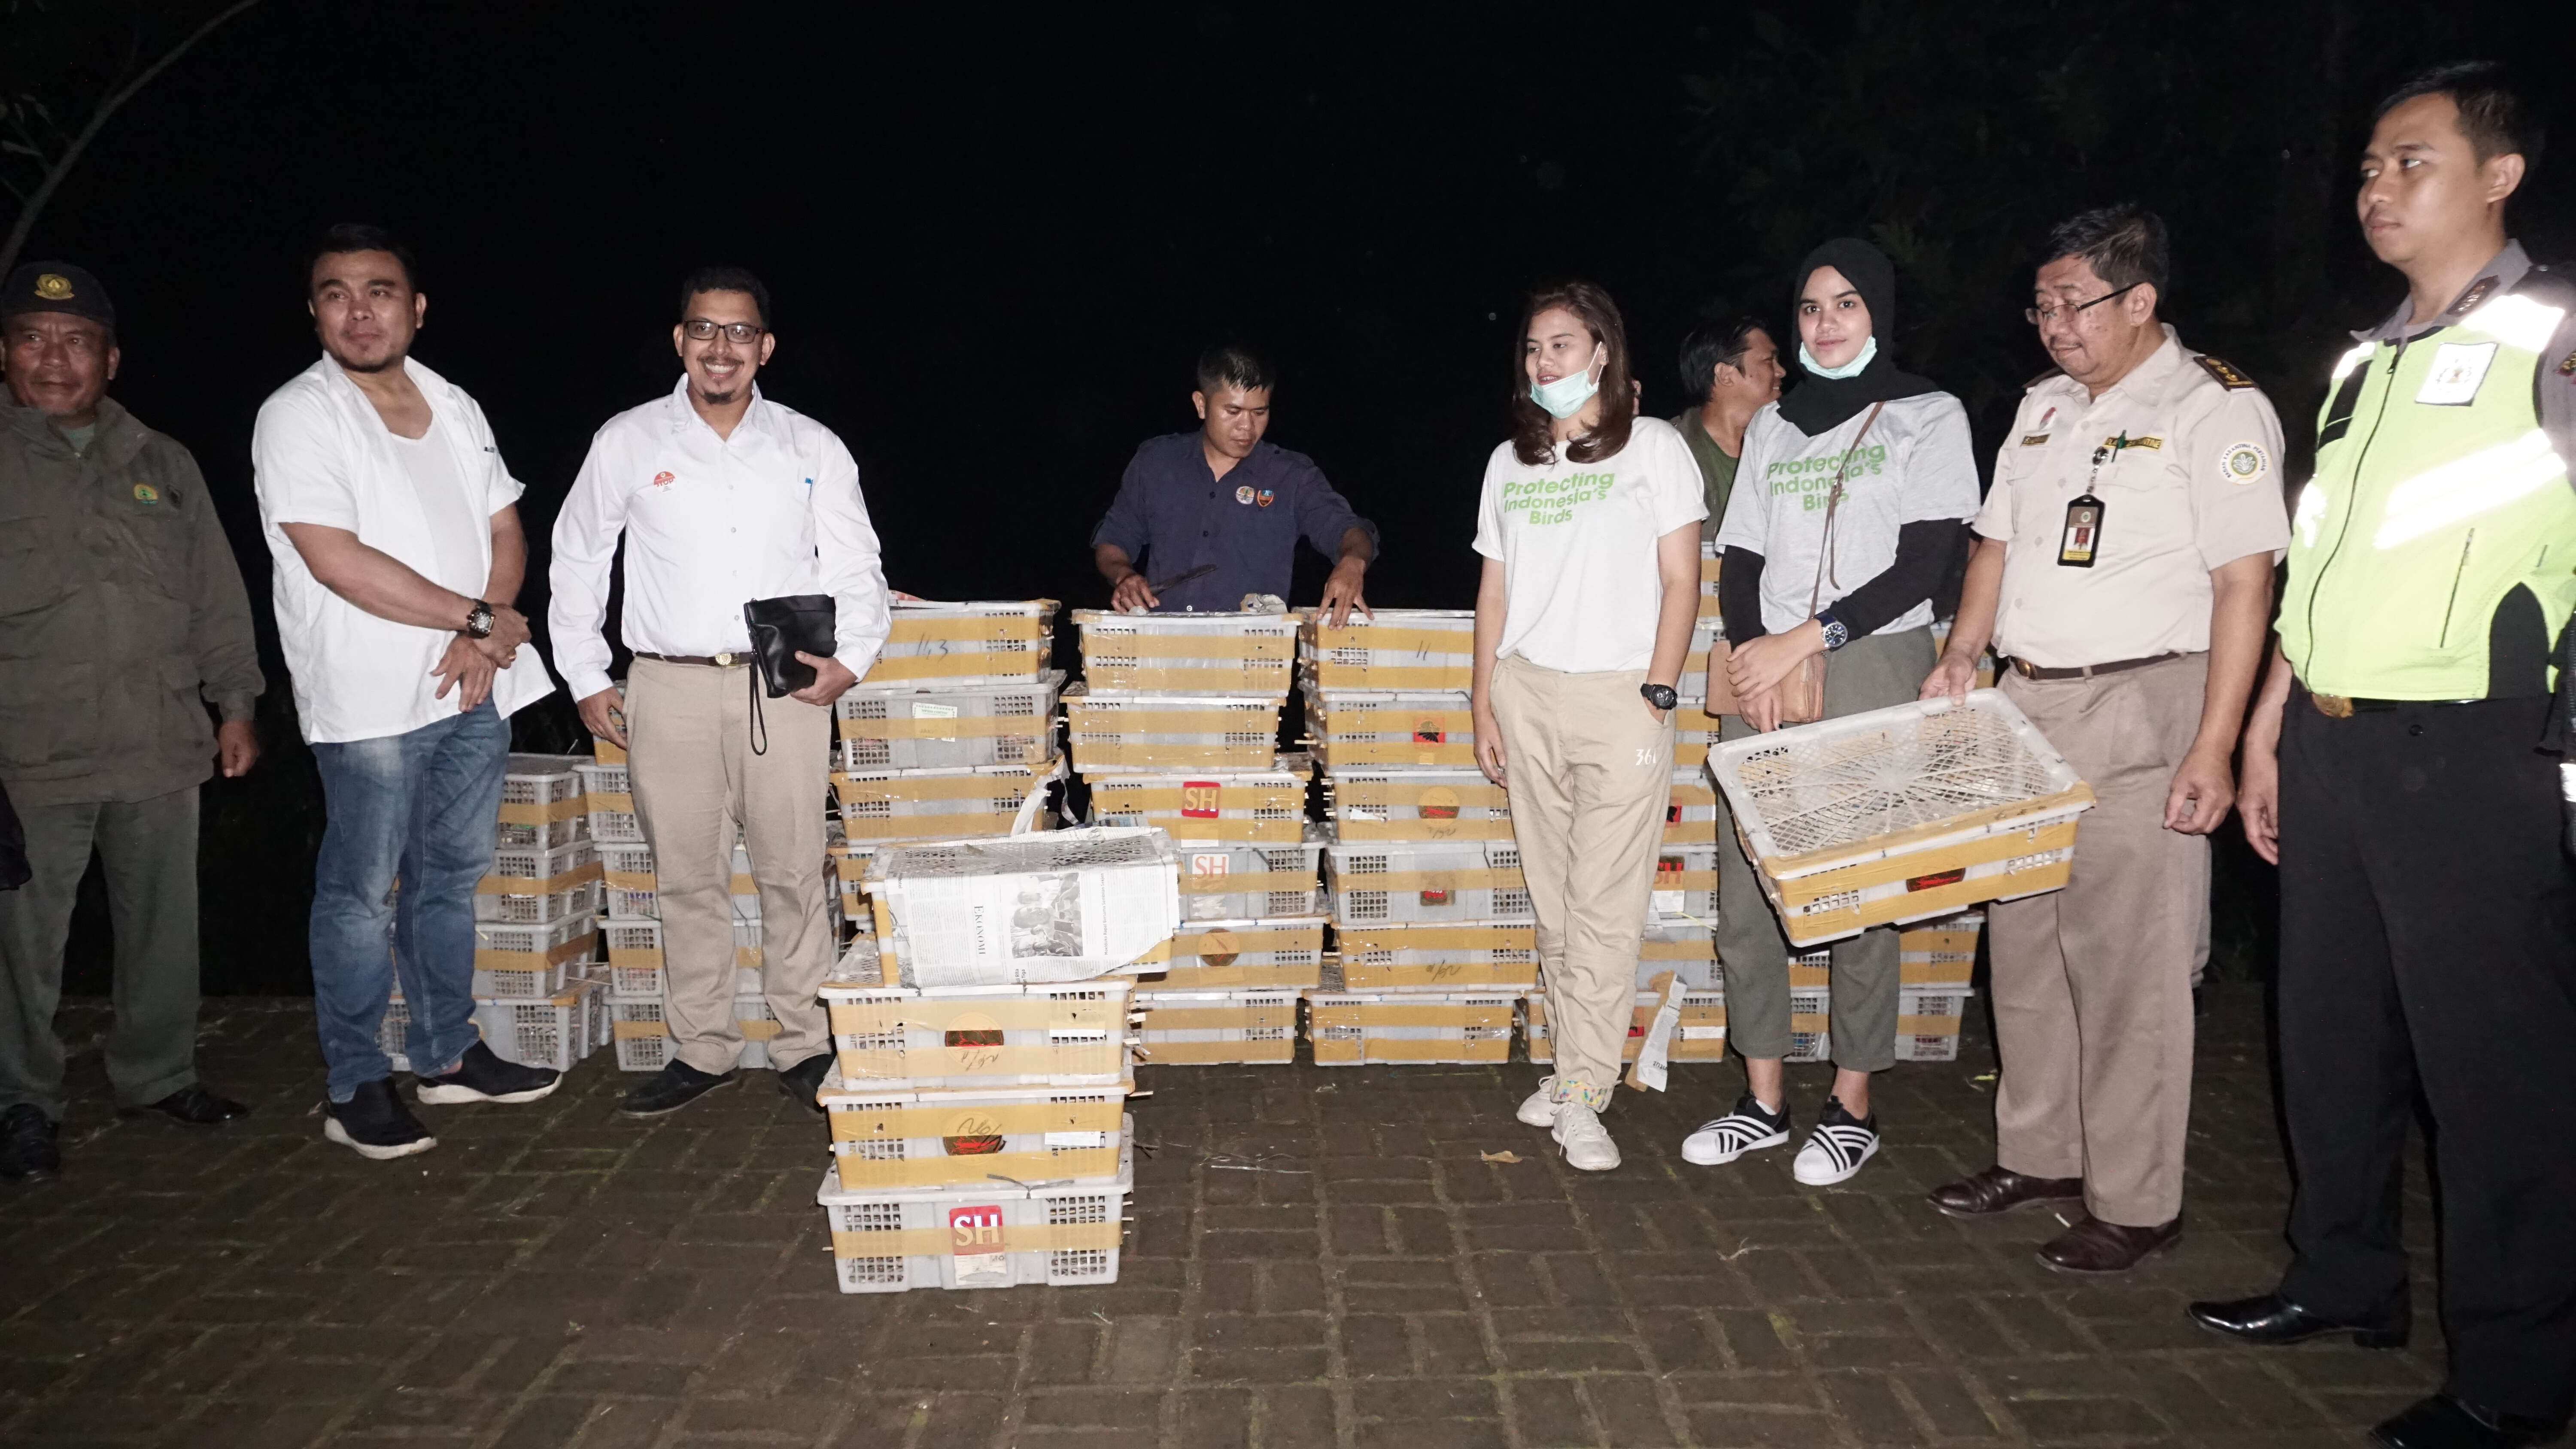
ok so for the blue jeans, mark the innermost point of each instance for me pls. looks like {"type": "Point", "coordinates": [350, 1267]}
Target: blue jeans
{"type": "Point", "coordinates": [418, 808]}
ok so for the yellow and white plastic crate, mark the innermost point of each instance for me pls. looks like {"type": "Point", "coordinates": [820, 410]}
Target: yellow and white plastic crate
{"type": "Point", "coordinates": [1425, 881]}
{"type": "Point", "coordinates": [1226, 1026]}
{"type": "Point", "coordinates": [1415, 957]}
{"type": "Point", "coordinates": [1389, 727]}
{"type": "Point", "coordinates": [1267, 806]}
{"type": "Point", "coordinates": [1070, 1034]}
{"type": "Point", "coordinates": [1162, 731]}
{"type": "Point", "coordinates": [1251, 954]}
{"type": "Point", "coordinates": [1381, 1028]}
{"type": "Point", "coordinates": [1225, 653]}
{"type": "Point", "coordinates": [892, 1137]}
{"type": "Point", "coordinates": [1700, 1036]}
{"type": "Point", "coordinates": [1242, 880]}
{"type": "Point", "coordinates": [1393, 802]}
{"type": "Point", "coordinates": [948, 724]}
{"type": "Point", "coordinates": [999, 639]}
{"type": "Point", "coordinates": [943, 804]}
{"type": "Point", "coordinates": [1392, 649]}
{"type": "Point", "coordinates": [987, 1235]}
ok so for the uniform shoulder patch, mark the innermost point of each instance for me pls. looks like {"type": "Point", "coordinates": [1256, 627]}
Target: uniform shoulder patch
{"type": "Point", "coordinates": [2227, 373]}
{"type": "Point", "coordinates": [2243, 463]}
{"type": "Point", "coordinates": [2567, 365]}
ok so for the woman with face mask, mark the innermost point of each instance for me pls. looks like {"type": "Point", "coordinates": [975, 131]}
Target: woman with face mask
{"type": "Point", "coordinates": [1851, 504]}
{"type": "Point", "coordinates": [1589, 527]}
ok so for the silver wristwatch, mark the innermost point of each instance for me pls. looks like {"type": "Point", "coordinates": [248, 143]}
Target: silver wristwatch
{"type": "Point", "coordinates": [478, 620]}
{"type": "Point", "coordinates": [1837, 633]}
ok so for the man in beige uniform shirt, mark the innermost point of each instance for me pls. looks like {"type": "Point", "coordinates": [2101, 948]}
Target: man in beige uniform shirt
{"type": "Point", "coordinates": [2123, 564]}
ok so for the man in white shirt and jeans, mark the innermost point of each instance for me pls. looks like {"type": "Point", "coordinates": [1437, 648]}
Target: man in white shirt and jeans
{"type": "Point", "coordinates": [723, 497]}
{"type": "Point", "coordinates": [395, 532]}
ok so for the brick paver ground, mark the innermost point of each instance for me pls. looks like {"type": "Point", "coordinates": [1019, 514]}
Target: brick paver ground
{"type": "Point", "coordinates": [552, 1275]}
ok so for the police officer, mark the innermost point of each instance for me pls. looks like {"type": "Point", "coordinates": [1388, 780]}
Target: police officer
{"type": "Point", "coordinates": [2428, 909]}
{"type": "Point", "coordinates": [2124, 566]}
{"type": "Point", "coordinates": [122, 618]}
{"type": "Point", "coordinates": [1216, 513]}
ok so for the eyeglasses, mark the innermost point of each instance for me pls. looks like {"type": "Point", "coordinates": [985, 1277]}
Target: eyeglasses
{"type": "Point", "coordinates": [699, 329]}
{"type": "Point", "coordinates": [2040, 316]}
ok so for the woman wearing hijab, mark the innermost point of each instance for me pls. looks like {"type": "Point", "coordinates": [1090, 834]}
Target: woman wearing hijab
{"type": "Point", "coordinates": [1851, 503]}
{"type": "Point", "coordinates": [1589, 527]}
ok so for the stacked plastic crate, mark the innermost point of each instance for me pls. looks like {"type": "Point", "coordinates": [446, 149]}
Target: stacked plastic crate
{"type": "Point", "coordinates": [982, 1060]}
{"type": "Point", "coordinates": [1936, 960]}
{"type": "Point", "coordinates": [1176, 726]}
{"type": "Point", "coordinates": [1433, 934]}
{"type": "Point", "coordinates": [536, 920]}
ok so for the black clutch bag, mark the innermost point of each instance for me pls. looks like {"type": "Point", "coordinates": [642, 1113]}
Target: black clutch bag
{"type": "Point", "coordinates": [780, 628]}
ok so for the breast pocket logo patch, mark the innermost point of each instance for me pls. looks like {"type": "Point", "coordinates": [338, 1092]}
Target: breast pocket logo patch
{"type": "Point", "coordinates": [662, 480]}
{"type": "Point", "coordinates": [146, 493]}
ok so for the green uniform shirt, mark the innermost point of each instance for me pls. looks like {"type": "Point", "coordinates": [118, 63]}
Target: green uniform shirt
{"type": "Point", "coordinates": [1716, 470]}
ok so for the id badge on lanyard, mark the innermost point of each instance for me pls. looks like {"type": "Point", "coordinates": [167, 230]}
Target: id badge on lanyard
{"type": "Point", "coordinates": [2081, 541]}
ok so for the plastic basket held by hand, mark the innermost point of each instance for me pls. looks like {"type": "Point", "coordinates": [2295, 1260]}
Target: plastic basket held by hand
{"type": "Point", "coordinates": [1902, 814]}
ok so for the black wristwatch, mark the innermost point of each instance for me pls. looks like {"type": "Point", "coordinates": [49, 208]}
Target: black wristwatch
{"type": "Point", "coordinates": [1661, 696]}
{"type": "Point", "coordinates": [1836, 632]}
{"type": "Point", "coordinates": [478, 620]}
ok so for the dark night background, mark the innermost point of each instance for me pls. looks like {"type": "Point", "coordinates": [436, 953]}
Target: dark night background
{"type": "Point", "coordinates": [997, 239]}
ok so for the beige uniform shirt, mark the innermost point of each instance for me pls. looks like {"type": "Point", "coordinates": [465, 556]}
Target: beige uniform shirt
{"type": "Point", "coordinates": [2198, 486]}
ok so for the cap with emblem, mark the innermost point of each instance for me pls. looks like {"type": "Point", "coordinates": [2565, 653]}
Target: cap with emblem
{"type": "Point", "coordinates": [55, 287]}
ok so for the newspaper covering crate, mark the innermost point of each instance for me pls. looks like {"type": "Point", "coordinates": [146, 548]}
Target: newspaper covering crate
{"type": "Point", "coordinates": [1060, 906]}
{"type": "Point", "coordinates": [1379, 802]}
{"type": "Point", "coordinates": [1354, 1028]}
{"type": "Point", "coordinates": [1436, 958]}
{"type": "Point", "coordinates": [1942, 952]}
{"type": "Point", "coordinates": [884, 1137]}
{"type": "Point", "coordinates": [1072, 1034]}
{"type": "Point", "coordinates": [987, 1235]}
{"type": "Point", "coordinates": [1426, 881]}
{"type": "Point", "coordinates": [948, 725]}
{"type": "Point", "coordinates": [541, 789]}
{"type": "Point", "coordinates": [1902, 814]}
{"type": "Point", "coordinates": [1223, 805]}
{"type": "Point", "coordinates": [1927, 1022]}
{"type": "Point", "coordinates": [1700, 1036]}
{"type": "Point", "coordinates": [1389, 727]}
{"type": "Point", "coordinates": [1006, 639]}
{"type": "Point", "coordinates": [1685, 884]}
{"type": "Point", "coordinates": [1687, 949]}
{"type": "Point", "coordinates": [1227, 880]}
{"type": "Point", "coordinates": [511, 946]}
{"type": "Point", "coordinates": [1690, 814]}
{"type": "Point", "coordinates": [1210, 1028]}
{"type": "Point", "coordinates": [1391, 649]}
{"type": "Point", "coordinates": [1163, 731]}
{"type": "Point", "coordinates": [1189, 653]}
{"type": "Point", "coordinates": [946, 804]}
{"type": "Point", "coordinates": [554, 1032]}
{"type": "Point", "coordinates": [1241, 954]}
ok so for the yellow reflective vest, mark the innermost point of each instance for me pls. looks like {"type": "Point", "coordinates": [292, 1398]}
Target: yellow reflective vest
{"type": "Point", "coordinates": [2436, 494]}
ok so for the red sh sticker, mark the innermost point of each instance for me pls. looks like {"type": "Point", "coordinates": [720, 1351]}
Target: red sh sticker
{"type": "Point", "coordinates": [975, 1236]}
{"type": "Point", "coordinates": [1198, 799]}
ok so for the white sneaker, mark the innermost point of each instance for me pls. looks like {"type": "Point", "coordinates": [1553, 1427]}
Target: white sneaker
{"type": "Point", "coordinates": [1747, 1128]}
{"type": "Point", "coordinates": [1539, 1108]}
{"type": "Point", "coordinates": [1838, 1146]}
{"type": "Point", "coordinates": [1586, 1142]}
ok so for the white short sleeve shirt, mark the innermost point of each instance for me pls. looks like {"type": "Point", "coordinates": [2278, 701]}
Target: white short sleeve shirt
{"type": "Point", "coordinates": [320, 454]}
{"type": "Point", "coordinates": [1577, 545]}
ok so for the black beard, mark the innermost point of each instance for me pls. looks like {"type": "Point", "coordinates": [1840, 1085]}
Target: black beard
{"type": "Point", "coordinates": [719, 399]}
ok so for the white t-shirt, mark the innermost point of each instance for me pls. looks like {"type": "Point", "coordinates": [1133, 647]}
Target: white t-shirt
{"type": "Point", "coordinates": [321, 454]}
{"type": "Point", "coordinates": [447, 510]}
{"type": "Point", "coordinates": [1915, 466]}
{"type": "Point", "coordinates": [1577, 544]}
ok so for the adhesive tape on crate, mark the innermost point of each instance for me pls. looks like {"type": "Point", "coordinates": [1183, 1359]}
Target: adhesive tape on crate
{"type": "Point", "coordinates": [1396, 638]}
{"type": "Point", "coordinates": [1253, 881]}
{"type": "Point", "coordinates": [1008, 1238]}
{"type": "Point", "coordinates": [969, 629]}
{"type": "Point", "coordinates": [859, 1121]}
{"type": "Point", "coordinates": [964, 727]}
{"type": "Point", "coordinates": [1220, 1053]}
{"type": "Point", "coordinates": [1095, 716]}
{"type": "Point", "coordinates": [1438, 938]}
{"type": "Point", "coordinates": [1247, 648]}
{"type": "Point", "coordinates": [1011, 664]}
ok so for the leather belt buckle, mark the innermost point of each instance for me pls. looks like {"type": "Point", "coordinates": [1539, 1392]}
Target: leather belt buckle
{"type": "Point", "coordinates": [2332, 706]}
{"type": "Point", "coordinates": [724, 660]}
{"type": "Point", "coordinates": [2023, 668]}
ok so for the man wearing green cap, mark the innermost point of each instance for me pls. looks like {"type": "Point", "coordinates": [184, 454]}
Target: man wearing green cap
{"type": "Point", "coordinates": [122, 618]}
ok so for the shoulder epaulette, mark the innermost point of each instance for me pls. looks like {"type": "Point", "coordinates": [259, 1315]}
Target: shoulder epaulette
{"type": "Point", "coordinates": [2229, 377]}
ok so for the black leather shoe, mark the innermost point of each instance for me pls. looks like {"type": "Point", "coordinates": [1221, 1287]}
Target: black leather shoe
{"type": "Point", "coordinates": [27, 1149]}
{"type": "Point", "coordinates": [2443, 1422]}
{"type": "Point", "coordinates": [2272, 1319]}
{"type": "Point", "coordinates": [2094, 1248]}
{"type": "Point", "coordinates": [1999, 1189]}
{"type": "Point", "coordinates": [801, 1081]}
{"type": "Point", "coordinates": [675, 1086]}
{"type": "Point", "coordinates": [192, 1106]}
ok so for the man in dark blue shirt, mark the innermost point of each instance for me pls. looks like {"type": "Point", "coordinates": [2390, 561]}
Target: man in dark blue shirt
{"type": "Point", "coordinates": [1217, 513]}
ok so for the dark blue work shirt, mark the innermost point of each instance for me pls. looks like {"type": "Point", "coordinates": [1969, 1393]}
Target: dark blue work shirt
{"type": "Point", "coordinates": [1172, 514]}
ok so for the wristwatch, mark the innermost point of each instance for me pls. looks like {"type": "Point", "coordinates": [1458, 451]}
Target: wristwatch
{"type": "Point", "coordinates": [1837, 633]}
{"type": "Point", "coordinates": [1661, 696]}
{"type": "Point", "coordinates": [478, 620]}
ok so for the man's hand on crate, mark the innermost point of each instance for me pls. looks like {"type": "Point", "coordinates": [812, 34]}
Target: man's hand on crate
{"type": "Point", "coordinates": [1342, 592]}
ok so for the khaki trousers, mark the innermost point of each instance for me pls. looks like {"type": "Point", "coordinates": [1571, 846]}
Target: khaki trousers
{"type": "Point", "coordinates": [2092, 984]}
{"type": "Point", "coordinates": [695, 777]}
{"type": "Point", "coordinates": [1590, 772]}
{"type": "Point", "coordinates": [1875, 671]}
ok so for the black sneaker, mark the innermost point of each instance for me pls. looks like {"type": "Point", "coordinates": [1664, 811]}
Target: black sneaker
{"type": "Point", "coordinates": [801, 1081]}
{"type": "Point", "coordinates": [675, 1086]}
{"type": "Point", "coordinates": [27, 1149]}
{"type": "Point", "coordinates": [482, 1077]}
{"type": "Point", "coordinates": [375, 1124]}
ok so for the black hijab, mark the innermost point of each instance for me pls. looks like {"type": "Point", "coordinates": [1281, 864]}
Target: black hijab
{"type": "Point", "coordinates": [1819, 405]}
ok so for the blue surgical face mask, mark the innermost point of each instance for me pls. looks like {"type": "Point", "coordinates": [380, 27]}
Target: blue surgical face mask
{"type": "Point", "coordinates": [1566, 396]}
{"type": "Point", "coordinates": [1852, 368]}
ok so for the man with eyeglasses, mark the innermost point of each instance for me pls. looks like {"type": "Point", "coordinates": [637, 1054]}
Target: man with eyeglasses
{"type": "Point", "coordinates": [2404, 769]}
{"type": "Point", "coordinates": [722, 497]}
{"type": "Point", "coordinates": [2123, 565]}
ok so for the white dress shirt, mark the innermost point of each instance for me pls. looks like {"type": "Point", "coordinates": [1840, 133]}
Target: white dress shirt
{"type": "Point", "coordinates": [321, 454]}
{"type": "Point", "coordinates": [711, 524]}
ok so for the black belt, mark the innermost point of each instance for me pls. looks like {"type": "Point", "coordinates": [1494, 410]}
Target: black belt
{"type": "Point", "coordinates": [2028, 670]}
{"type": "Point", "coordinates": [726, 660]}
